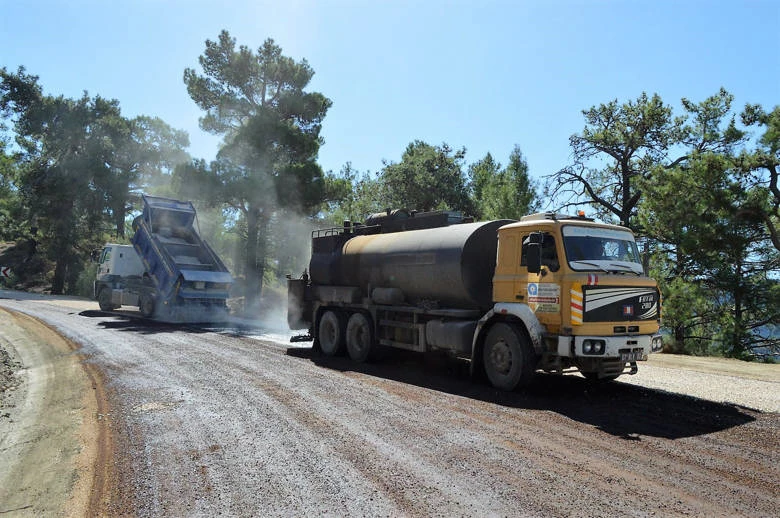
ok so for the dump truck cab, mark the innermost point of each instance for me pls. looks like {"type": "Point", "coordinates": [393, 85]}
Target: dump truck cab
{"type": "Point", "coordinates": [118, 260]}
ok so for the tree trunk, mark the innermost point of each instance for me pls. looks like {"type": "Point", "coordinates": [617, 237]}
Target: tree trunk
{"type": "Point", "coordinates": [738, 348]}
{"type": "Point", "coordinates": [118, 204]}
{"type": "Point", "coordinates": [252, 288]}
{"type": "Point", "coordinates": [262, 242]}
{"type": "Point", "coordinates": [58, 282]}
{"type": "Point", "coordinates": [119, 220]}
{"type": "Point", "coordinates": [680, 330]}
{"type": "Point", "coordinates": [625, 206]}
{"type": "Point", "coordinates": [646, 255]}
{"type": "Point", "coordinates": [257, 227]}
{"type": "Point", "coordinates": [62, 244]}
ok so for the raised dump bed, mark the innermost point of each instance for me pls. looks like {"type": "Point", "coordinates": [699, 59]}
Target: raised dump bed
{"type": "Point", "coordinates": [190, 281]}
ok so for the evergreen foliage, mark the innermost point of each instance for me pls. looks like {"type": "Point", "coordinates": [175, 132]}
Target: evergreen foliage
{"type": "Point", "coordinates": [699, 187]}
{"type": "Point", "coordinates": [503, 193]}
{"type": "Point", "coordinates": [270, 125]}
{"type": "Point", "coordinates": [427, 178]}
{"type": "Point", "coordinates": [703, 202]}
{"type": "Point", "coordinates": [76, 165]}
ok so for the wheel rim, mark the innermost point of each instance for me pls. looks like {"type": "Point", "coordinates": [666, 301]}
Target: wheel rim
{"type": "Point", "coordinates": [104, 300]}
{"type": "Point", "coordinates": [147, 306]}
{"type": "Point", "coordinates": [508, 357]}
{"type": "Point", "coordinates": [329, 333]}
{"type": "Point", "coordinates": [359, 338]}
{"type": "Point", "coordinates": [501, 357]}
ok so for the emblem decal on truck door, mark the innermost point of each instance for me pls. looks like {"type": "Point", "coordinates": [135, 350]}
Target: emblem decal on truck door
{"type": "Point", "coordinates": [544, 297]}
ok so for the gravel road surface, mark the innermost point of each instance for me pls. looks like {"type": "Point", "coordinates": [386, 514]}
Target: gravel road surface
{"type": "Point", "coordinates": [197, 422]}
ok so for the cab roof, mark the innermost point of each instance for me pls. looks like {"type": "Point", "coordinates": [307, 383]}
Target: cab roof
{"type": "Point", "coordinates": [551, 219]}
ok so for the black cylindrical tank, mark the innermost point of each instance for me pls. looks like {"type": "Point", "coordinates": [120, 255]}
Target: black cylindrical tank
{"type": "Point", "coordinates": [452, 266]}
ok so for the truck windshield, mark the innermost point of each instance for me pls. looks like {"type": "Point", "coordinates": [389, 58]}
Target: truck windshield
{"type": "Point", "coordinates": [601, 249]}
{"type": "Point", "coordinates": [105, 256]}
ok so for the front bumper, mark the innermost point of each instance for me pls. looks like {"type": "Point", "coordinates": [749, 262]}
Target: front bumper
{"type": "Point", "coordinates": [626, 348]}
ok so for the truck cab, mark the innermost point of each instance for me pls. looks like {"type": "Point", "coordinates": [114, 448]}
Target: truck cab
{"type": "Point", "coordinates": [585, 283]}
{"type": "Point", "coordinates": [116, 265]}
{"type": "Point", "coordinates": [119, 260]}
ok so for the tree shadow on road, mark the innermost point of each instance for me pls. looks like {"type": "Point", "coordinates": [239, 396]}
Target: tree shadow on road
{"type": "Point", "coordinates": [620, 409]}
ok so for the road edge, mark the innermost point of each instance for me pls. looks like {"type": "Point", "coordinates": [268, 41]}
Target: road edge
{"type": "Point", "coordinates": [92, 489]}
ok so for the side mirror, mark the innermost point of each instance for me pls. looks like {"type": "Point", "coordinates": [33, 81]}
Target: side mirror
{"type": "Point", "coordinates": [534, 259]}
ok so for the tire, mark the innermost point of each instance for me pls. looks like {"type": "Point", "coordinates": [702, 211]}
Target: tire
{"type": "Point", "coordinates": [360, 338]}
{"type": "Point", "coordinates": [330, 333]}
{"type": "Point", "coordinates": [104, 300]}
{"type": "Point", "coordinates": [146, 304]}
{"type": "Point", "coordinates": [508, 357]}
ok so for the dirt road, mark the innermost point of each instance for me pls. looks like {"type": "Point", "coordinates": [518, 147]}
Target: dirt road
{"type": "Point", "coordinates": [208, 422]}
{"type": "Point", "coordinates": [54, 453]}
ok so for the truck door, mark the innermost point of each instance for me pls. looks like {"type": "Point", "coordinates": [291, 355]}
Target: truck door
{"type": "Point", "coordinates": [104, 262]}
{"type": "Point", "coordinates": [542, 291]}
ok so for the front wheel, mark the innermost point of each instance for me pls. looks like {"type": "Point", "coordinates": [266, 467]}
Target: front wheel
{"type": "Point", "coordinates": [104, 300]}
{"type": "Point", "coordinates": [508, 358]}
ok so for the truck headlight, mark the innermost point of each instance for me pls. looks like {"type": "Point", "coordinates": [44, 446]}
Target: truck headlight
{"type": "Point", "coordinates": [593, 346]}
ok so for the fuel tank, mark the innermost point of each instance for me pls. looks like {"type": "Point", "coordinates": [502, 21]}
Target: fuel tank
{"type": "Point", "coordinates": [448, 266]}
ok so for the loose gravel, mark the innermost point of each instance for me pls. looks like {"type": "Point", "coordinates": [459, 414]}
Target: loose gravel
{"type": "Point", "coordinates": [762, 395]}
{"type": "Point", "coordinates": [209, 423]}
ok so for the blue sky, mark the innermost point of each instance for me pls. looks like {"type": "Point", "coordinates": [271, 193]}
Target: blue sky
{"type": "Point", "coordinates": [484, 75]}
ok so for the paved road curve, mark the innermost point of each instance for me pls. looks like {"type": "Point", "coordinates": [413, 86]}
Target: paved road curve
{"type": "Point", "coordinates": [211, 422]}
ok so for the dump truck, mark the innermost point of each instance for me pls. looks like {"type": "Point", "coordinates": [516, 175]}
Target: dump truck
{"type": "Point", "coordinates": [551, 292]}
{"type": "Point", "coordinates": [168, 272]}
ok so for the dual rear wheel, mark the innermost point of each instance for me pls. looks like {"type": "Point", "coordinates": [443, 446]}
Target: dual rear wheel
{"type": "Point", "coordinates": [146, 304]}
{"type": "Point", "coordinates": [330, 333]}
{"type": "Point", "coordinates": [337, 333]}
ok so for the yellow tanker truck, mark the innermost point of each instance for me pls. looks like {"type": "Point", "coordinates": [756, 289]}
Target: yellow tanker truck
{"type": "Point", "coordinates": [550, 292]}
